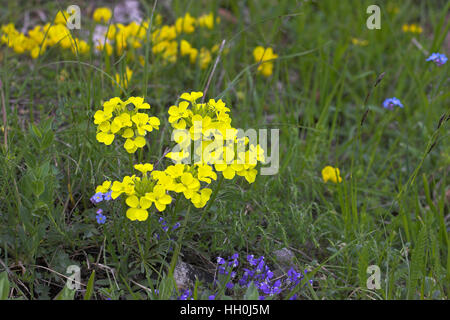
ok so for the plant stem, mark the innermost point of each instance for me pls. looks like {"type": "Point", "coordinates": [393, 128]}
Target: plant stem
{"type": "Point", "coordinates": [211, 200]}
{"type": "Point", "coordinates": [173, 263]}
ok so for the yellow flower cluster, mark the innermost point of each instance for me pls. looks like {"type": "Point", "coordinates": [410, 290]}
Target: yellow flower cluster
{"type": "Point", "coordinates": [38, 39]}
{"type": "Point", "coordinates": [205, 124]}
{"type": "Point", "coordinates": [102, 15]}
{"type": "Point", "coordinates": [206, 138]}
{"type": "Point", "coordinates": [412, 28]}
{"type": "Point", "coordinates": [360, 42]}
{"type": "Point", "coordinates": [152, 187]}
{"type": "Point", "coordinates": [166, 44]}
{"type": "Point", "coordinates": [117, 38]}
{"type": "Point", "coordinates": [122, 118]}
{"type": "Point", "coordinates": [265, 57]}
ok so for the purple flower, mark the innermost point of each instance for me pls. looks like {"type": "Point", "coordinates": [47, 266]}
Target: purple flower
{"type": "Point", "coordinates": [220, 260]}
{"type": "Point", "coordinates": [107, 196]}
{"type": "Point", "coordinates": [212, 297]}
{"type": "Point", "coordinates": [438, 58]}
{"type": "Point", "coordinates": [222, 270]}
{"type": "Point", "coordinates": [101, 219]}
{"type": "Point", "coordinates": [186, 295]}
{"type": "Point", "coordinates": [176, 226]}
{"type": "Point", "coordinates": [163, 224]}
{"type": "Point", "coordinates": [229, 285]}
{"type": "Point", "coordinates": [260, 266]}
{"type": "Point", "coordinates": [390, 103]}
{"type": "Point", "coordinates": [96, 198]}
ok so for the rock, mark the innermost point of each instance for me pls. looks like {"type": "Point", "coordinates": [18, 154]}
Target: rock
{"type": "Point", "coordinates": [185, 275]}
{"type": "Point", "coordinates": [285, 258]}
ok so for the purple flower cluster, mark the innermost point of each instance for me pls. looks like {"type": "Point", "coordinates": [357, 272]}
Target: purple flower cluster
{"type": "Point", "coordinates": [99, 197]}
{"type": "Point", "coordinates": [165, 227]}
{"type": "Point", "coordinates": [101, 219]}
{"type": "Point", "coordinates": [438, 58]}
{"type": "Point", "coordinates": [390, 103]}
{"type": "Point", "coordinates": [186, 295]}
{"type": "Point", "coordinates": [260, 274]}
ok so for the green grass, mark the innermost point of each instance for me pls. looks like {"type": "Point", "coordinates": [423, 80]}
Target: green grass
{"type": "Point", "coordinates": [391, 210]}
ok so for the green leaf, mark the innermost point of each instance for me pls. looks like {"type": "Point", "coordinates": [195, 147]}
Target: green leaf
{"type": "Point", "coordinates": [417, 266]}
{"type": "Point", "coordinates": [36, 131]}
{"type": "Point", "coordinates": [166, 287]}
{"type": "Point", "coordinates": [251, 293]}
{"type": "Point", "coordinates": [38, 187]}
{"type": "Point", "coordinates": [4, 286]}
{"type": "Point", "coordinates": [65, 294]}
{"type": "Point", "coordinates": [90, 286]}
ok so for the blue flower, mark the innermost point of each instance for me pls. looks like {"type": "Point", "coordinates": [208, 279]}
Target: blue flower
{"type": "Point", "coordinates": [107, 196]}
{"type": "Point", "coordinates": [220, 260]}
{"type": "Point", "coordinates": [101, 219]}
{"type": "Point", "coordinates": [96, 198]}
{"type": "Point", "coordinates": [390, 103]}
{"type": "Point", "coordinates": [163, 224]}
{"type": "Point", "coordinates": [176, 226]}
{"type": "Point", "coordinates": [438, 58]}
{"type": "Point", "coordinates": [212, 297]}
{"type": "Point", "coordinates": [186, 295]}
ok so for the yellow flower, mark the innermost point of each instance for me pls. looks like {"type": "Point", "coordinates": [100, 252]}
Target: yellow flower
{"type": "Point", "coordinates": [199, 199]}
{"type": "Point", "coordinates": [206, 173]}
{"type": "Point", "coordinates": [123, 81]}
{"type": "Point", "coordinates": [191, 97]}
{"type": "Point", "coordinates": [412, 28]}
{"type": "Point", "coordinates": [177, 113]}
{"type": "Point", "coordinates": [261, 55]}
{"type": "Point", "coordinates": [102, 14]}
{"type": "Point", "coordinates": [138, 208]}
{"type": "Point", "coordinates": [177, 157]}
{"type": "Point", "coordinates": [104, 187]}
{"type": "Point", "coordinates": [126, 186]}
{"type": "Point", "coordinates": [185, 24]}
{"type": "Point", "coordinates": [190, 184]}
{"type": "Point", "coordinates": [249, 174]}
{"type": "Point", "coordinates": [144, 168]}
{"type": "Point", "coordinates": [105, 46]}
{"type": "Point", "coordinates": [204, 58]}
{"type": "Point", "coordinates": [131, 145]}
{"type": "Point", "coordinates": [80, 47]}
{"type": "Point", "coordinates": [145, 123]}
{"type": "Point", "coordinates": [159, 197]}
{"type": "Point", "coordinates": [101, 116]}
{"type": "Point", "coordinates": [206, 20]}
{"type": "Point", "coordinates": [331, 174]}
{"type": "Point", "coordinates": [106, 138]}
{"type": "Point", "coordinates": [359, 42]}
{"type": "Point", "coordinates": [61, 17]}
